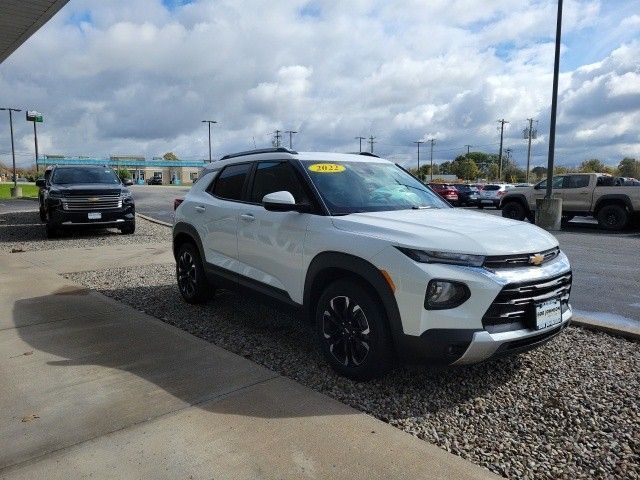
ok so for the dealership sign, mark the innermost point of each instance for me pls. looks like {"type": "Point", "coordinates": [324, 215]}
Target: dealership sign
{"type": "Point", "coordinates": [33, 116]}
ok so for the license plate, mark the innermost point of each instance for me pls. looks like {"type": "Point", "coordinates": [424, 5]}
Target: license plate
{"type": "Point", "coordinates": [487, 201]}
{"type": "Point", "coordinates": [94, 215]}
{"type": "Point", "coordinates": [548, 313]}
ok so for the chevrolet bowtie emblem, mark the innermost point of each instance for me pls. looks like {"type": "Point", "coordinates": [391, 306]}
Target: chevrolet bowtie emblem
{"type": "Point", "coordinates": [536, 259]}
{"type": "Point", "coordinates": [94, 199]}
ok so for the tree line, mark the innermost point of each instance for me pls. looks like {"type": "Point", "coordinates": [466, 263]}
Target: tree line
{"type": "Point", "coordinates": [475, 165]}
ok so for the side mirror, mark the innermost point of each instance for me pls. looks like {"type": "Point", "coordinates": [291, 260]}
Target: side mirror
{"type": "Point", "coordinates": [41, 182]}
{"type": "Point", "coordinates": [282, 202]}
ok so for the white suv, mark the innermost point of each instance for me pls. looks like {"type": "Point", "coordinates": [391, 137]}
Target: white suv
{"type": "Point", "coordinates": [386, 270]}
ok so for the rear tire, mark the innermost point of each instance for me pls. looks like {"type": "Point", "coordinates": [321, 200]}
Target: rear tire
{"type": "Point", "coordinates": [353, 331]}
{"type": "Point", "coordinates": [514, 210]}
{"type": "Point", "coordinates": [190, 275]}
{"type": "Point", "coordinates": [613, 217]}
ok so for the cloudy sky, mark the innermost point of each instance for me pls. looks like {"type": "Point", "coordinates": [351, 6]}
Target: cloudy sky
{"type": "Point", "coordinates": [138, 76]}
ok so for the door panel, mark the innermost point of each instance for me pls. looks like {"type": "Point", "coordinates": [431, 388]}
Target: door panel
{"type": "Point", "coordinates": [270, 244]}
{"type": "Point", "coordinates": [576, 194]}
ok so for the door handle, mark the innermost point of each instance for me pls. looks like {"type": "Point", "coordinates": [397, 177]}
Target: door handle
{"type": "Point", "coordinates": [199, 208]}
{"type": "Point", "coordinates": [247, 217]}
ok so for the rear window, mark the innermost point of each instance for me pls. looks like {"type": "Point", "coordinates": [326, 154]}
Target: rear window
{"type": "Point", "coordinates": [491, 187]}
{"type": "Point", "coordinates": [230, 182]}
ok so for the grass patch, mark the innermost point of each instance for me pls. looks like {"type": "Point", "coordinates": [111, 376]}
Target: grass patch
{"type": "Point", "coordinates": [29, 190]}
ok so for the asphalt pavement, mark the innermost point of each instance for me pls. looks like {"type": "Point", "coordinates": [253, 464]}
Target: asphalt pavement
{"type": "Point", "coordinates": [156, 201]}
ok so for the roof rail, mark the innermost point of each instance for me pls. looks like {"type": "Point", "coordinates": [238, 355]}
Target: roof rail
{"type": "Point", "coordinates": [258, 151]}
{"type": "Point", "coordinates": [368, 154]}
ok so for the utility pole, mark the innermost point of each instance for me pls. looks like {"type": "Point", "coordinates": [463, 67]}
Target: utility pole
{"type": "Point", "coordinates": [418, 142]}
{"type": "Point", "coordinates": [277, 138]}
{"type": "Point", "coordinates": [468, 148]}
{"type": "Point", "coordinates": [291, 133]}
{"type": "Point", "coordinates": [529, 134]}
{"type": "Point", "coordinates": [14, 193]}
{"type": "Point", "coordinates": [209, 122]}
{"type": "Point", "coordinates": [360, 138]}
{"type": "Point", "coordinates": [371, 142]}
{"type": "Point", "coordinates": [432, 141]}
{"type": "Point", "coordinates": [502, 121]}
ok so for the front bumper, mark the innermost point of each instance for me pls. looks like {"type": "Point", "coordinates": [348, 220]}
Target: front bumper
{"type": "Point", "coordinates": [117, 217]}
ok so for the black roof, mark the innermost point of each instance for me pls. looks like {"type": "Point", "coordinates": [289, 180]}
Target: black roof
{"type": "Point", "coordinates": [258, 151]}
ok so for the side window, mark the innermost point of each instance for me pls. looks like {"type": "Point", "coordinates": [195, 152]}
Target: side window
{"type": "Point", "coordinates": [555, 184]}
{"type": "Point", "coordinates": [274, 177]}
{"type": "Point", "coordinates": [229, 183]}
{"type": "Point", "coordinates": [576, 181]}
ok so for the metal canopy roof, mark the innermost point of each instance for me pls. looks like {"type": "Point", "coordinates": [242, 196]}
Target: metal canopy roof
{"type": "Point", "coordinates": [19, 19]}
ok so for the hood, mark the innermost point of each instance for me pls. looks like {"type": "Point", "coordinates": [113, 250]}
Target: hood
{"type": "Point", "coordinates": [89, 188]}
{"type": "Point", "coordinates": [449, 230]}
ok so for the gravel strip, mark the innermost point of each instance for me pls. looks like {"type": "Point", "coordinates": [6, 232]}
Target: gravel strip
{"type": "Point", "coordinates": [23, 231]}
{"type": "Point", "coordinates": [564, 411]}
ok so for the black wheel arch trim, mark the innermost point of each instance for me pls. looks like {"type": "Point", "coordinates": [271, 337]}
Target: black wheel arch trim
{"type": "Point", "coordinates": [613, 198]}
{"type": "Point", "coordinates": [518, 197]}
{"type": "Point", "coordinates": [368, 272]}
{"type": "Point", "coordinates": [185, 228]}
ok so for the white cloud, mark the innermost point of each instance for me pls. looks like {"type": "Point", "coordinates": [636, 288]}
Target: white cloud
{"type": "Point", "coordinates": [134, 77]}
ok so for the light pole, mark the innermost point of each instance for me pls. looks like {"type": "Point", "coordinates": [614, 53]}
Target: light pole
{"type": "Point", "coordinates": [209, 122]}
{"type": "Point", "coordinates": [529, 134]}
{"type": "Point", "coordinates": [14, 193]}
{"type": "Point", "coordinates": [35, 117]}
{"type": "Point", "coordinates": [360, 138]}
{"type": "Point", "coordinates": [291, 133]}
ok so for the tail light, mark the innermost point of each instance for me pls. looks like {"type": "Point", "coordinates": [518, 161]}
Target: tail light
{"type": "Point", "coordinates": [177, 202]}
{"type": "Point", "coordinates": [501, 192]}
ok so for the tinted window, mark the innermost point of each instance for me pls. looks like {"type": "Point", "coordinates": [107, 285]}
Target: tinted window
{"type": "Point", "coordinates": [557, 183]}
{"type": "Point", "coordinates": [230, 181]}
{"type": "Point", "coordinates": [67, 176]}
{"type": "Point", "coordinates": [490, 188]}
{"type": "Point", "coordinates": [351, 187]}
{"type": "Point", "coordinates": [276, 177]}
{"type": "Point", "coordinates": [576, 181]}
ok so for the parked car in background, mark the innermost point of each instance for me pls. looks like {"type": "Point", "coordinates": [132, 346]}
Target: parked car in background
{"type": "Point", "coordinates": [85, 196]}
{"type": "Point", "coordinates": [491, 195]}
{"type": "Point", "coordinates": [446, 191]}
{"type": "Point", "coordinates": [154, 181]}
{"type": "Point", "coordinates": [384, 267]}
{"type": "Point", "coordinates": [594, 194]}
{"type": "Point", "coordinates": [468, 195]}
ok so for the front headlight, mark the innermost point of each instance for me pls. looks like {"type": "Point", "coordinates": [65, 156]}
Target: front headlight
{"type": "Point", "coordinates": [125, 195]}
{"type": "Point", "coordinates": [427, 256]}
{"type": "Point", "coordinates": [55, 194]}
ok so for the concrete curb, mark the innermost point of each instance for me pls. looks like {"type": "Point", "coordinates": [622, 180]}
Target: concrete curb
{"type": "Point", "coordinates": [153, 220]}
{"type": "Point", "coordinates": [631, 333]}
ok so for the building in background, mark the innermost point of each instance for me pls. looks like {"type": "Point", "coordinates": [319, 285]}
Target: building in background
{"type": "Point", "coordinates": [168, 172]}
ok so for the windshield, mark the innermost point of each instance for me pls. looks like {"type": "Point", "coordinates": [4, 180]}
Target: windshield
{"type": "Point", "coordinates": [67, 176]}
{"type": "Point", "coordinates": [352, 187]}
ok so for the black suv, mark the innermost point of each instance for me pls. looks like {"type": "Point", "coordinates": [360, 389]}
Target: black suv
{"type": "Point", "coordinates": [85, 196]}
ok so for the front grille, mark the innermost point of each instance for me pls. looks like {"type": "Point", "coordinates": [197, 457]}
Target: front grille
{"type": "Point", "coordinates": [519, 260]}
{"type": "Point", "coordinates": [91, 203]}
{"type": "Point", "coordinates": [514, 307]}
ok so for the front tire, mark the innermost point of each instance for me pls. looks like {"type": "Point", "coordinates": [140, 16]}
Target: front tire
{"type": "Point", "coordinates": [352, 331]}
{"type": "Point", "coordinates": [190, 275]}
{"type": "Point", "coordinates": [613, 217]}
{"type": "Point", "coordinates": [514, 210]}
{"type": "Point", "coordinates": [129, 228]}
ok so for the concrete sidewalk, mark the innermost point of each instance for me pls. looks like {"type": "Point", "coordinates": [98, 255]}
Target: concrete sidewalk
{"type": "Point", "coordinates": [92, 387]}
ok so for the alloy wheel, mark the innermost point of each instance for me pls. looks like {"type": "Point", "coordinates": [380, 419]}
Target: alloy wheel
{"type": "Point", "coordinates": [187, 280]}
{"type": "Point", "coordinates": [346, 330]}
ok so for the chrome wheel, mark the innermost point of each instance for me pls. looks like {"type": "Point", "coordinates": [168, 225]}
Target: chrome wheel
{"type": "Point", "coordinates": [346, 330]}
{"type": "Point", "coordinates": [187, 278]}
